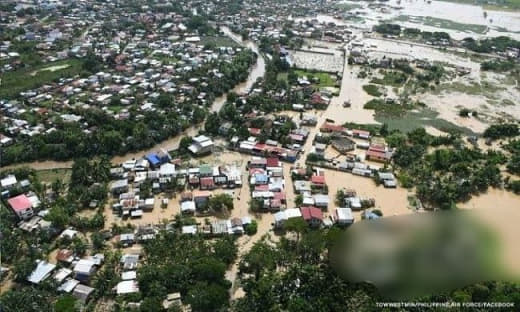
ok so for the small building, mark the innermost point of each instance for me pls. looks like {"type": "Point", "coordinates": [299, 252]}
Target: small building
{"type": "Point", "coordinates": [127, 239]}
{"type": "Point", "coordinates": [42, 271]}
{"type": "Point", "coordinates": [21, 206]}
{"type": "Point", "coordinates": [321, 201]}
{"type": "Point", "coordinates": [201, 145]}
{"type": "Point", "coordinates": [119, 186]}
{"type": "Point", "coordinates": [172, 299]}
{"type": "Point", "coordinates": [82, 292]}
{"type": "Point", "coordinates": [207, 183]}
{"type": "Point", "coordinates": [84, 269]}
{"type": "Point", "coordinates": [312, 215]}
{"type": "Point", "coordinates": [8, 182]}
{"type": "Point", "coordinates": [188, 207]}
{"type": "Point", "coordinates": [127, 287]}
{"type": "Point", "coordinates": [343, 216]}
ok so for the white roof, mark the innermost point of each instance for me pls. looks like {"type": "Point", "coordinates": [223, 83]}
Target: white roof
{"type": "Point", "coordinates": [70, 233]}
{"type": "Point", "coordinates": [42, 271]}
{"type": "Point", "coordinates": [167, 169]}
{"type": "Point", "coordinates": [189, 229]}
{"type": "Point", "coordinates": [127, 287]}
{"type": "Point", "coordinates": [188, 206]}
{"type": "Point", "coordinates": [62, 274]}
{"type": "Point", "coordinates": [8, 181]}
{"type": "Point", "coordinates": [84, 266]}
{"type": "Point", "coordinates": [69, 285]}
{"type": "Point", "coordinates": [128, 275]}
{"type": "Point", "coordinates": [293, 213]}
{"type": "Point", "coordinates": [280, 216]}
{"type": "Point", "coordinates": [344, 214]}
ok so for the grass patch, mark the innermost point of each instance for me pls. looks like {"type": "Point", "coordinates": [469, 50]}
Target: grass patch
{"type": "Point", "coordinates": [498, 5]}
{"type": "Point", "coordinates": [347, 6]}
{"type": "Point", "coordinates": [442, 23]}
{"type": "Point", "coordinates": [325, 79]}
{"type": "Point", "coordinates": [412, 120]}
{"type": "Point", "coordinates": [372, 90]}
{"type": "Point", "coordinates": [391, 78]}
{"type": "Point", "coordinates": [387, 109]}
{"type": "Point", "coordinates": [51, 175]}
{"type": "Point", "coordinates": [25, 79]}
{"type": "Point", "coordinates": [218, 41]}
{"type": "Point", "coordinates": [484, 88]}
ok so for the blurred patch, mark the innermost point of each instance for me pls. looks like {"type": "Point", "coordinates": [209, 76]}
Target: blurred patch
{"type": "Point", "coordinates": [417, 255]}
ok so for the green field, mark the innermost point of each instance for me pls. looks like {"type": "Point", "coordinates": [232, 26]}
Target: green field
{"type": "Point", "coordinates": [497, 5]}
{"type": "Point", "coordinates": [51, 175]}
{"type": "Point", "coordinates": [417, 119]}
{"type": "Point", "coordinates": [442, 23]}
{"type": "Point", "coordinates": [14, 82]}
{"type": "Point", "coordinates": [220, 41]}
{"type": "Point", "coordinates": [326, 79]}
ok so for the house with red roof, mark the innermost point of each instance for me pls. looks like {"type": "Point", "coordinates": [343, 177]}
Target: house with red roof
{"type": "Point", "coordinates": [312, 215]}
{"type": "Point", "coordinates": [329, 127]}
{"type": "Point", "coordinates": [378, 152]}
{"type": "Point", "coordinates": [207, 183]}
{"type": "Point", "coordinates": [21, 206]}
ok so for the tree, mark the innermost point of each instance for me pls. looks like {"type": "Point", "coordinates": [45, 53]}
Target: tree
{"type": "Point", "coordinates": [206, 297]}
{"type": "Point", "coordinates": [185, 143]}
{"type": "Point", "coordinates": [251, 228]}
{"type": "Point", "coordinates": [27, 299]}
{"type": "Point", "coordinates": [58, 216]}
{"type": "Point", "coordinates": [221, 203]}
{"type": "Point", "coordinates": [296, 225]}
{"type": "Point", "coordinates": [213, 123]}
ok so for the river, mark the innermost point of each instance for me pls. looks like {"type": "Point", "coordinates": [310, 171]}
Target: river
{"type": "Point", "coordinates": [257, 71]}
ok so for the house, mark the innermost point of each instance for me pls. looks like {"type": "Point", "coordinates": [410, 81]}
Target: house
{"type": "Point", "coordinates": [62, 274]}
{"type": "Point", "coordinates": [8, 182]}
{"type": "Point", "coordinates": [321, 201]}
{"type": "Point", "coordinates": [42, 271]}
{"type": "Point", "coordinates": [188, 207]}
{"type": "Point", "coordinates": [318, 182]}
{"type": "Point", "coordinates": [312, 215]}
{"type": "Point", "coordinates": [127, 239]}
{"type": "Point", "coordinates": [127, 287]}
{"type": "Point", "coordinates": [237, 226]}
{"type": "Point", "coordinates": [329, 127]}
{"type": "Point", "coordinates": [189, 229]}
{"type": "Point", "coordinates": [119, 186]}
{"type": "Point", "coordinates": [82, 292]}
{"type": "Point", "coordinates": [167, 170]}
{"type": "Point", "coordinates": [284, 215]}
{"type": "Point", "coordinates": [69, 285]}
{"type": "Point", "coordinates": [207, 183]}
{"type": "Point", "coordinates": [378, 152]}
{"type": "Point", "coordinates": [22, 206]}
{"type": "Point", "coordinates": [172, 299]}
{"type": "Point", "coordinates": [362, 134]}
{"type": "Point", "coordinates": [153, 159]}
{"type": "Point", "coordinates": [65, 256]}
{"type": "Point", "coordinates": [129, 261]}
{"type": "Point", "coordinates": [201, 198]}
{"type": "Point", "coordinates": [343, 216]}
{"type": "Point", "coordinates": [84, 269]}
{"type": "Point", "coordinates": [201, 145]}
{"type": "Point", "coordinates": [388, 179]}
{"type": "Point", "coordinates": [205, 170]}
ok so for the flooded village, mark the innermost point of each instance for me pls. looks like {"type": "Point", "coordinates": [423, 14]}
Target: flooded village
{"type": "Point", "coordinates": [212, 124]}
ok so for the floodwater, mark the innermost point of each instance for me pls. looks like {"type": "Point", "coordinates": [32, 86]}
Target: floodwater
{"type": "Point", "coordinates": [498, 22]}
{"type": "Point", "coordinates": [499, 210]}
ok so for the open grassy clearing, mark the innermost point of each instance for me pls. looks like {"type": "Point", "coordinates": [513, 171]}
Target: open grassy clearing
{"type": "Point", "coordinates": [14, 82]}
{"type": "Point", "coordinates": [51, 175]}
{"type": "Point", "coordinates": [220, 41]}
{"type": "Point", "coordinates": [418, 119]}
{"type": "Point", "coordinates": [442, 23]}
{"type": "Point", "coordinates": [326, 79]}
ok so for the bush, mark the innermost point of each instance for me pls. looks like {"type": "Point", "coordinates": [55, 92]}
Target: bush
{"type": "Point", "coordinates": [251, 228]}
{"type": "Point", "coordinates": [501, 130]}
{"type": "Point", "coordinates": [372, 90]}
